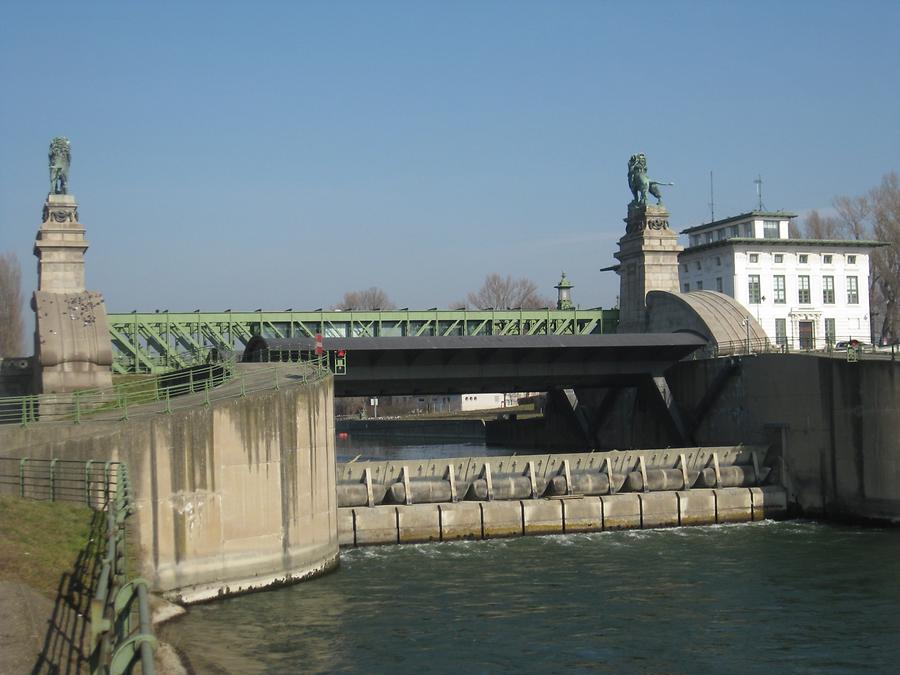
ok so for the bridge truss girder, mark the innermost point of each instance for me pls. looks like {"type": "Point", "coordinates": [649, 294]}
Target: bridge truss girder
{"type": "Point", "coordinates": [160, 341]}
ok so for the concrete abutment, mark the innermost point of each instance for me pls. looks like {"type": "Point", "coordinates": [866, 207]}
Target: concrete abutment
{"type": "Point", "coordinates": [230, 497]}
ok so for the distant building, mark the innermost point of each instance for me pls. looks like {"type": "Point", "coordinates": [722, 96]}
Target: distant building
{"type": "Point", "coordinates": [806, 293]}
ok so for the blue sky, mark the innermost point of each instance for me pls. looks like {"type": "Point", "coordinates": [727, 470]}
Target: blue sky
{"type": "Point", "coordinates": [274, 155]}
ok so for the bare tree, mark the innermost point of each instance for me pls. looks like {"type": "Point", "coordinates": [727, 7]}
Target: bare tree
{"type": "Point", "coordinates": [369, 298]}
{"type": "Point", "coordinates": [507, 293]}
{"type": "Point", "coordinates": [11, 320]}
{"type": "Point", "coordinates": [818, 226]}
{"type": "Point", "coordinates": [885, 261]}
{"type": "Point", "coordinates": [853, 213]}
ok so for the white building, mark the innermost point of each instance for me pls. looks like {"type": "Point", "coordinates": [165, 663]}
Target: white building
{"type": "Point", "coordinates": [806, 293]}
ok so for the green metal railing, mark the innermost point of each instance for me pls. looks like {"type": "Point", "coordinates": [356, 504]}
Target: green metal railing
{"type": "Point", "coordinates": [159, 341]}
{"type": "Point", "coordinates": [850, 350]}
{"type": "Point", "coordinates": [168, 391]}
{"type": "Point", "coordinates": [120, 618]}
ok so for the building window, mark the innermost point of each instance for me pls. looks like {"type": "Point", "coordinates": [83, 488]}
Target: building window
{"type": "Point", "coordinates": [828, 290]}
{"type": "Point", "coordinates": [781, 332]}
{"type": "Point", "coordinates": [732, 231]}
{"type": "Point", "coordinates": [780, 298]}
{"type": "Point", "coordinates": [804, 295]}
{"type": "Point", "coordinates": [770, 229]}
{"type": "Point", "coordinates": [687, 287]}
{"type": "Point", "coordinates": [829, 331]}
{"type": "Point", "coordinates": [826, 259]}
{"type": "Point", "coordinates": [719, 284]}
{"type": "Point", "coordinates": [753, 289]}
{"type": "Point", "coordinates": [685, 267]}
{"type": "Point", "coordinates": [720, 235]}
{"type": "Point", "coordinates": [699, 285]}
{"type": "Point", "coordinates": [699, 266]}
{"type": "Point", "coordinates": [851, 259]}
{"type": "Point", "coordinates": [754, 258]}
{"type": "Point", "coordinates": [779, 257]}
{"type": "Point", "coordinates": [804, 258]}
{"type": "Point", "coordinates": [718, 261]}
{"type": "Point", "coordinates": [747, 230]}
{"type": "Point", "coordinates": [695, 240]}
{"type": "Point", "coordinates": [852, 291]}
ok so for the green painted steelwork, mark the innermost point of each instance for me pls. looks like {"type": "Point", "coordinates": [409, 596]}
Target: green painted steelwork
{"type": "Point", "coordinates": [121, 402]}
{"type": "Point", "coordinates": [162, 341]}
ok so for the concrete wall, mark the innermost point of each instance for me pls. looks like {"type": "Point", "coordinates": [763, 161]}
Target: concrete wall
{"type": "Point", "coordinates": [837, 423]}
{"type": "Point", "coordinates": [411, 429]}
{"type": "Point", "coordinates": [231, 497]}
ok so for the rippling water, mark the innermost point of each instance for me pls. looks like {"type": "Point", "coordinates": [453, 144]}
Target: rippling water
{"type": "Point", "coordinates": [761, 597]}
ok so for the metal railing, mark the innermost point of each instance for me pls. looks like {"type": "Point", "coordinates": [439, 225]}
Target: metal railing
{"type": "Point", "coordinates": [121, 402]}
{"type": "Point", "coordinates": [120, 619]}
{"type": "Point", "coordinates": [846, 348]}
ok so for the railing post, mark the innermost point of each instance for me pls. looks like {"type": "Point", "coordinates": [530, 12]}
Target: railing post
{"type": "Point", "coordinates": [22, 476]}
{"type": "Point", "coordinates": [53, 480]}
{"type": "Point", "coordinates": [191, 379]}
{"type": "Point", "coordinates": [77, 408]}
{"type": "Point", "coordinates": [208, 384]}
{"type": "Point", "coordinates": [106, 468]}
{"type": "Point", "coordinates": [276, 378]}
{"type": "Point", "coordinates": [87, 482]}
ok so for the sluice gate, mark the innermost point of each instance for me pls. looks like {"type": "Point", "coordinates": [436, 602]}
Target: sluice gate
{"type": "Point", "coordinates": [408, 501]}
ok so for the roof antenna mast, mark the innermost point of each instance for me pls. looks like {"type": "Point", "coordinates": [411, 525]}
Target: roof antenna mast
{"type": "Point", "coordinates": [759, 182]}
{"type": "Point", "coordinates": [712, 202]}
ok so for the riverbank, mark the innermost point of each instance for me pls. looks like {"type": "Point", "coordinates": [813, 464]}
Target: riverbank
{"type": "Point", "coordinates": [46, 584]}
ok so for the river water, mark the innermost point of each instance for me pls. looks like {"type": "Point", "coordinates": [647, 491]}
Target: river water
{"type": "Point", "coordinates": [759, 597]}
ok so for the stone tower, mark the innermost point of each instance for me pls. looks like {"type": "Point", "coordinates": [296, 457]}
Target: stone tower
{"type": "Point", "coordinates": [72, 346]}
{"type": "Point", "coordinates": [648, 261]}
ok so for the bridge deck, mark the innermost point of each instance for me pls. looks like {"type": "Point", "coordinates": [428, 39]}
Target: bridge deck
{"type": "Point", "coordinates": [495, 363]}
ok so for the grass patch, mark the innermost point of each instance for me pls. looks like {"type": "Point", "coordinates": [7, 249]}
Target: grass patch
{"type": "Point", "coordinates": [40, 541]}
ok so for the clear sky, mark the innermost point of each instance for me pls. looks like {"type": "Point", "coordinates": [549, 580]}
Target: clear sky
{"type": "Point", "coordinates": [262, 154]}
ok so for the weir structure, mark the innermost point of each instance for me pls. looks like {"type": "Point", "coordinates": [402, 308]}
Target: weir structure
{"type": "Point", "coordinates": [487, 497]}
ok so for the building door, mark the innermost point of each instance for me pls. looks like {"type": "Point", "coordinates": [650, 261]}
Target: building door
{"type": "Point", "coordinates": [806, 334]}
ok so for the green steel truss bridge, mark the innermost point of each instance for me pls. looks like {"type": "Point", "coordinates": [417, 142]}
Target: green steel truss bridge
{"type": "Point", "coordinates": [161, 341]}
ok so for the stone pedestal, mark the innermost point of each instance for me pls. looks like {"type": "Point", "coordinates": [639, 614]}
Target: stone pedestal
{"type": "Point", "coordinates": [72, 346]}
{"type": "Point", "coordinates": [648, 261]}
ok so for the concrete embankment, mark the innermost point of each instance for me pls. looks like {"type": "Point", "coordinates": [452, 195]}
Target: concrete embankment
{"type": "Point", "coordinates": [407, 429]}
{"type": "Point", "coordinates": [486, 497]}
{"type": "Point", "coordinates": [233, 494]}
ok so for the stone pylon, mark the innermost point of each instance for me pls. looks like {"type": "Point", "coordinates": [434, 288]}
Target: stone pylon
{"type": "Point", "coordinates": [648, 261]}
{"type": "Point", "coordinates": [71, 338]}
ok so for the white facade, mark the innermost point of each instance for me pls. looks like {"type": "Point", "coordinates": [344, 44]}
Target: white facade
{"type": "Point", "coordinates": [805, 293]}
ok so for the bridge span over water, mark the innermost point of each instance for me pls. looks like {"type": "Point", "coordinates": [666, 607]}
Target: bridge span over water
{"type": "Point", "coordinates": [162, 340]}
{"type": "Point", "coordinates": [456, 365]}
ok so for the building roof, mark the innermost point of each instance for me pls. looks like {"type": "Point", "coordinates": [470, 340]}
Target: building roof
{"type": "Point", "coordinates": [802, 243]}
{"type": "Point", "coordinates": [750, 215]}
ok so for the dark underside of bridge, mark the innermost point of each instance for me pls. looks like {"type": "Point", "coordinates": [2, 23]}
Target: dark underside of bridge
{"type": "Point", "coordinates": [458, 365]}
